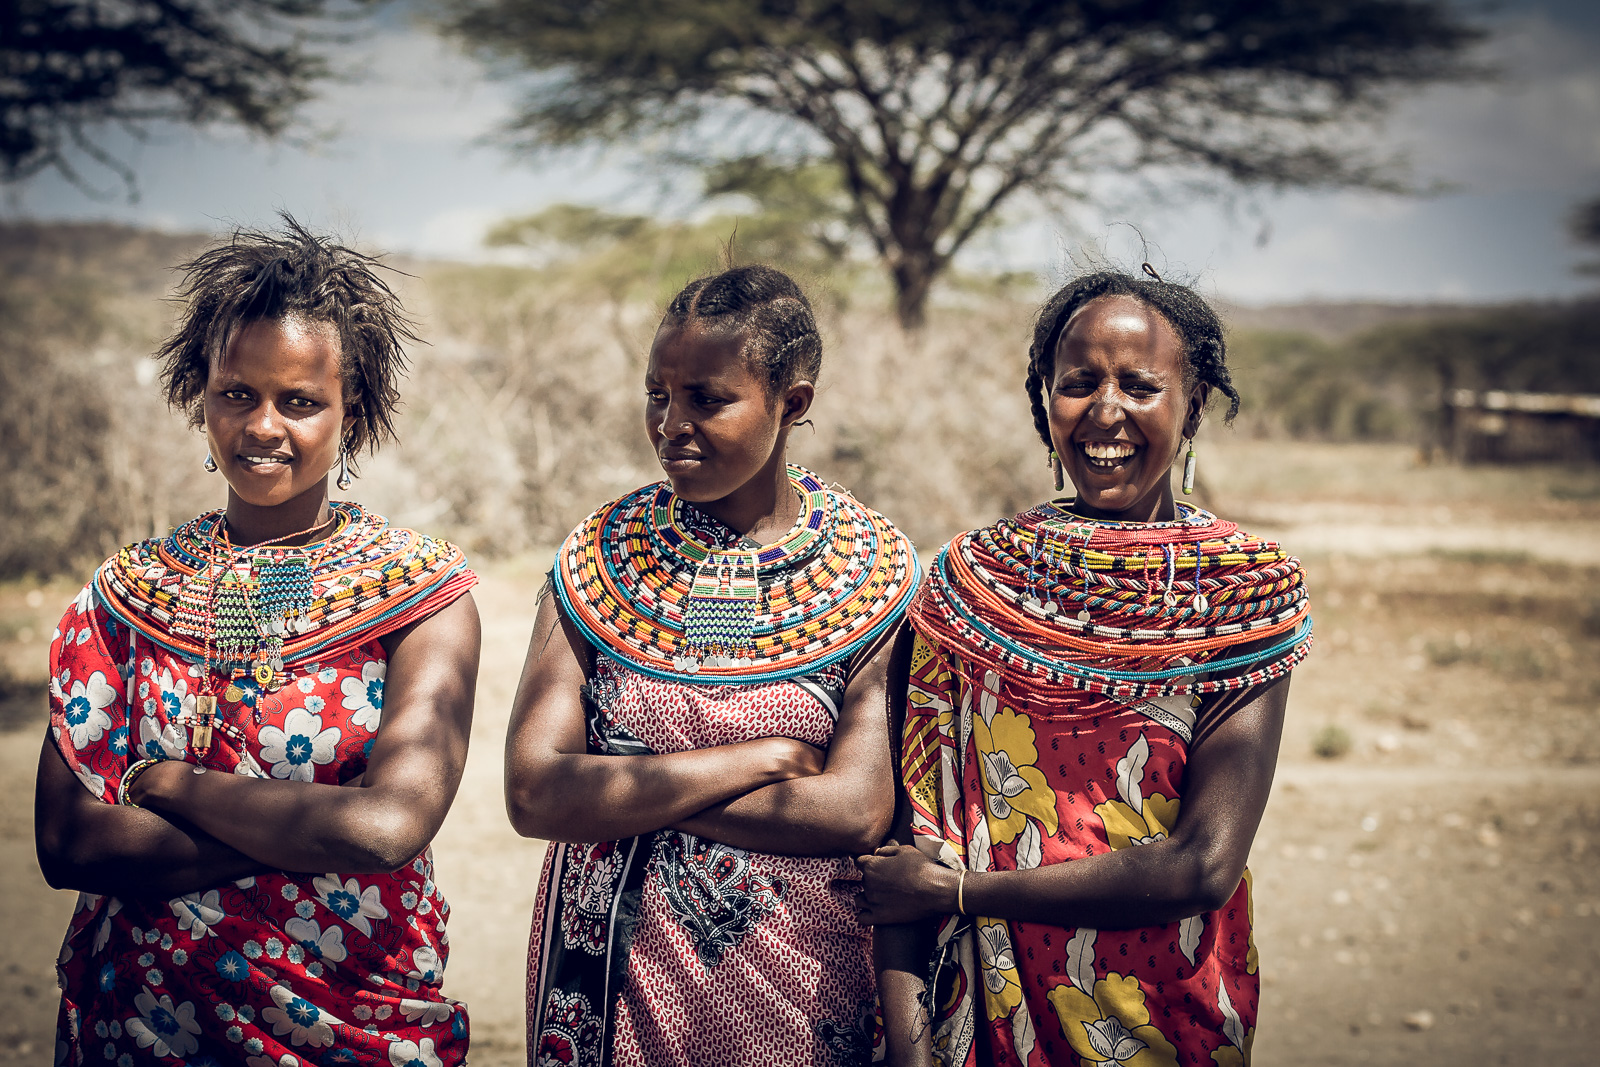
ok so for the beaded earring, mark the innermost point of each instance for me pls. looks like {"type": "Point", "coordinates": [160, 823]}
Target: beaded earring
{"type": "Point", "coordinates": [210, 464]}
{"type": "Point", "coordinates": [344, 479]}
{"type": "Point", "coordinates": [1188, 469]}
{"type": "Point", "coordinates": [1055, 469]}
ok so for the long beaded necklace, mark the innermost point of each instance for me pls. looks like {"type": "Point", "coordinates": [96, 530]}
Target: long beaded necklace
{"type": "Point", "coordinates": [247, 637]}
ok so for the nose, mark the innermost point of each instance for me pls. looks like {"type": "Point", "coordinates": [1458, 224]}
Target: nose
{"type": "Point", "coordinates": [265, 423]}
{"type": "Point", "coordinates": [674, 423]}
{"type": "Point", "coordinates": [1105, 407]}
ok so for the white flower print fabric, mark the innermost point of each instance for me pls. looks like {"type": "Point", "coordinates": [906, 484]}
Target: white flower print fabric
{"type": "Point", "coordinates": [277, 968]}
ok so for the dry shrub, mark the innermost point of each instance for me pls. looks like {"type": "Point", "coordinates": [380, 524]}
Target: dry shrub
{"type": "Point", "coordinates": [521, 414]}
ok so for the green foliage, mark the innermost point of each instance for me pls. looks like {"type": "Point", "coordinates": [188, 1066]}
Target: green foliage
{"type": "Point", "coordinates": [935, 114]}
{"type": "Point", "coordinates": [69, 66]}
{"type": "Point", "coordinates": [798, 221]}
{"type": "Point", "coordinates": [1302, 386]}
{"type": "Point", "coordinates": [1386, 383]}
{"type": "Point", "coordinates": [1537, 348]}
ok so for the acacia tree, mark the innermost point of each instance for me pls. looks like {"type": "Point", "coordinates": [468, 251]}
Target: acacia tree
{"type": "Point", "coordinates": [939, 112]}
{"type": "Point", "coordinates": [69, 67]}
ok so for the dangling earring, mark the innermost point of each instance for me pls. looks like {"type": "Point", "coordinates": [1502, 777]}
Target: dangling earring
{"type": "Point", "coordinates": [210, 464]}
{"type": "Point", "coordinates": [1188, 469]}
{"type": "Point", "coordinates": [344, 479]}
{"type": "Point", "coordinates": [1055, 469]}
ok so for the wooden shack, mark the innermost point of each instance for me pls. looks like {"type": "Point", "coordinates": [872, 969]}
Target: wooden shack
{"type": "Point", "coordinates": [1498, 426]}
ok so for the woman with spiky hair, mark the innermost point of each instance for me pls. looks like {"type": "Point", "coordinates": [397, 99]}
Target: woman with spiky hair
{"type": "Point", "coordinates": [1096, 692]}
{"type": "Point", "coordinates": [283, 685]}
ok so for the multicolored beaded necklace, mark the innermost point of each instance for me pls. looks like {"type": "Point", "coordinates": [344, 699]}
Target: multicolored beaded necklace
{"type": "Point", "coordinates": [649, 589]}
{"type": "Point", "coordinates": [1127, 609]}
{"type": "Point", "coordinates": [252, 615]}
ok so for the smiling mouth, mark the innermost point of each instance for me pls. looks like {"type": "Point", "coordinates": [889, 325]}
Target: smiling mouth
{"type": "Point", "coordinates": [262, 461]}
{"type": "Point", "coordinates": [1107, 455]}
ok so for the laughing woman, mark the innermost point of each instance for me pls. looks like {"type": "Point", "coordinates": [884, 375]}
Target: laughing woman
{"type": "Point", "coordinates": [701, 727]}
{"type": "Point", "coordinates": [281, 686]}
{"type": "Point", "coordinates": [1097, 690]}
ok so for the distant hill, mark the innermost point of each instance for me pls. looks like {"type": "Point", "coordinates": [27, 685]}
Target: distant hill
{"type": "Point", "coordinates": [1336, 321]}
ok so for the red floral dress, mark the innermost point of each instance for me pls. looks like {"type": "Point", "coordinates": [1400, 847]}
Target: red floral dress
{"type": "Point", "coordinates": [276, 970]}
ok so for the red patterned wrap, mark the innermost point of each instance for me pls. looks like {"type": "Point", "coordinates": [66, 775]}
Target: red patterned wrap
{"type": "Point", "coordinates": [1031, 738]}
{"type": "Point", "coordinates": [278, 969]}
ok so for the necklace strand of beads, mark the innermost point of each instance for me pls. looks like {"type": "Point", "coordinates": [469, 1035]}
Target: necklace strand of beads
{"type": "Point", "coordinates": [233, 629]}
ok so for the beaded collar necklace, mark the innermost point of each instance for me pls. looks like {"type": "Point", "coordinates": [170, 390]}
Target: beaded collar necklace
{"type": "Point", "coordinates": [254, 615]}
{"type": "Point", "coordinates": [1127, 609]}
{"type": "Point", "coordinates": [660, 588]}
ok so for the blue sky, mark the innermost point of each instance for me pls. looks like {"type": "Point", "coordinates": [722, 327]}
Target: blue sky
{"type": "Point", "coordinates": [400, 161]}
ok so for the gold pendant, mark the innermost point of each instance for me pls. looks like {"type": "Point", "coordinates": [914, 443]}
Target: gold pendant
{"type": "Point", "coordinates": [205, 710]}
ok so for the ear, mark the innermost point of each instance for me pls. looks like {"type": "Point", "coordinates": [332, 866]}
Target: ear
{"type": "Point", "coordinates": [349, 420]}
{"type": "Point", "coordinates": [1196, 410]}
{"type": "Point", "coordinates": [796, 402]}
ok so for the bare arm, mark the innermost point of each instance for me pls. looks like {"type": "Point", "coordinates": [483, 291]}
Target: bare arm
{"type": "Point", "coordinates": [845, 810]}
{"type": "Point", "coordinates": [402, 797]}
{"type": "Point", "coordinates": [1196, 870]}
{"type": "Point", "coordinates": [559, 791]}
{"type": "Point", "coordinates": [901, 954]}
{"type": "Point", "coordinates": [94, 847]}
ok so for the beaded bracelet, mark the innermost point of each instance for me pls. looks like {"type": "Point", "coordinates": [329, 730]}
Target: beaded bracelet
{"type": "Point", "coordinates": [125, 788]}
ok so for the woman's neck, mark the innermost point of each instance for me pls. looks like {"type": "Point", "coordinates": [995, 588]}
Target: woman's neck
{"type": "Point", "coordinates": [1159, 506]}
{"type": "Point", "coordinates": [762, 509]}
{"type": "Point", "coordinates": [251, 524]}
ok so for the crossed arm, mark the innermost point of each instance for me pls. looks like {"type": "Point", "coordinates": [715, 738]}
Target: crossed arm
{"type": "Point", "coordinates": [194, 830]}
{"type": "Point", "coordinates": [769, 794]}
{"type": "Point", "coordinates": [1195, 870]}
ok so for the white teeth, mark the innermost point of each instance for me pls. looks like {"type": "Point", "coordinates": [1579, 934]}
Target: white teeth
{"type": "Point", "coordinates": [1107, 450]}
{"type": "Point", "coordinates": [265, 459]}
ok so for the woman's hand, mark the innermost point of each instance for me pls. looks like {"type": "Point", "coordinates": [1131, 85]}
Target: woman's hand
{"type": "Point", "coordinates": [849, 806]}
{"type": "Point", "coordinates": [556, 789]}
{"type": "Point", "coordinates": [409, 782]}
{"type": "Point", "coordinates": [900, 885]}
{"type": "Point", "coordinates": [86, 844]}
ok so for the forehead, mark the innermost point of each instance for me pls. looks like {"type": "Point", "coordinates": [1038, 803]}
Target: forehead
{"type": "Point", "coordinates": [1120, 331]}
{"type": "Point", "coordinates": [695, 352]}
{"type": "Point", "coordinates": [289, 351]}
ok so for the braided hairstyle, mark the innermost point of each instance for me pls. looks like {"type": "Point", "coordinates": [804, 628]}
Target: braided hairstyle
{"type": "Point", "coordinates": [1204, 350]}
{"type": "Point", "coordinates": [782, 343]}
{"type": "Point", "coordinates": [261, 276]}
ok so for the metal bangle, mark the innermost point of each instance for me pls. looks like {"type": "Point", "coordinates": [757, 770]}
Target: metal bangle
{"type": "Point", "coordinates": [129, 777]}
{"type": "Point", "coordinates": [961, 886]}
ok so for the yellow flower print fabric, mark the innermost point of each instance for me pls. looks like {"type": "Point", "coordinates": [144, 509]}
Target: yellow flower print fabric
{"type": "Point", "coordinates": [1000, 783]}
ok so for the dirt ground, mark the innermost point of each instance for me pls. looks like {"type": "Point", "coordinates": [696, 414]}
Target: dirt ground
{"type": "Point", "coordinates": [1428, 890]}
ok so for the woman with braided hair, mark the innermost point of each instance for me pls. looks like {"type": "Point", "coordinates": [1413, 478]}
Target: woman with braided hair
{"type": "Point", "coordinates": [284, 685]}
{"type": "Point", "coordinates": [1097, 689]}
{"type": "Point", "coordinates": [701, 729]}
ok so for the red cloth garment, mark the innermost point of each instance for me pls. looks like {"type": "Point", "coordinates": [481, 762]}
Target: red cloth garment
{"type": "Point", "coordinates": [1024, 745]}
{"type": "Point", "coordinates": [279, 969]}
{"type": "Point", "coordinates": [715, 955]}
{"type": "Point", "coordinates": [669, 949]}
